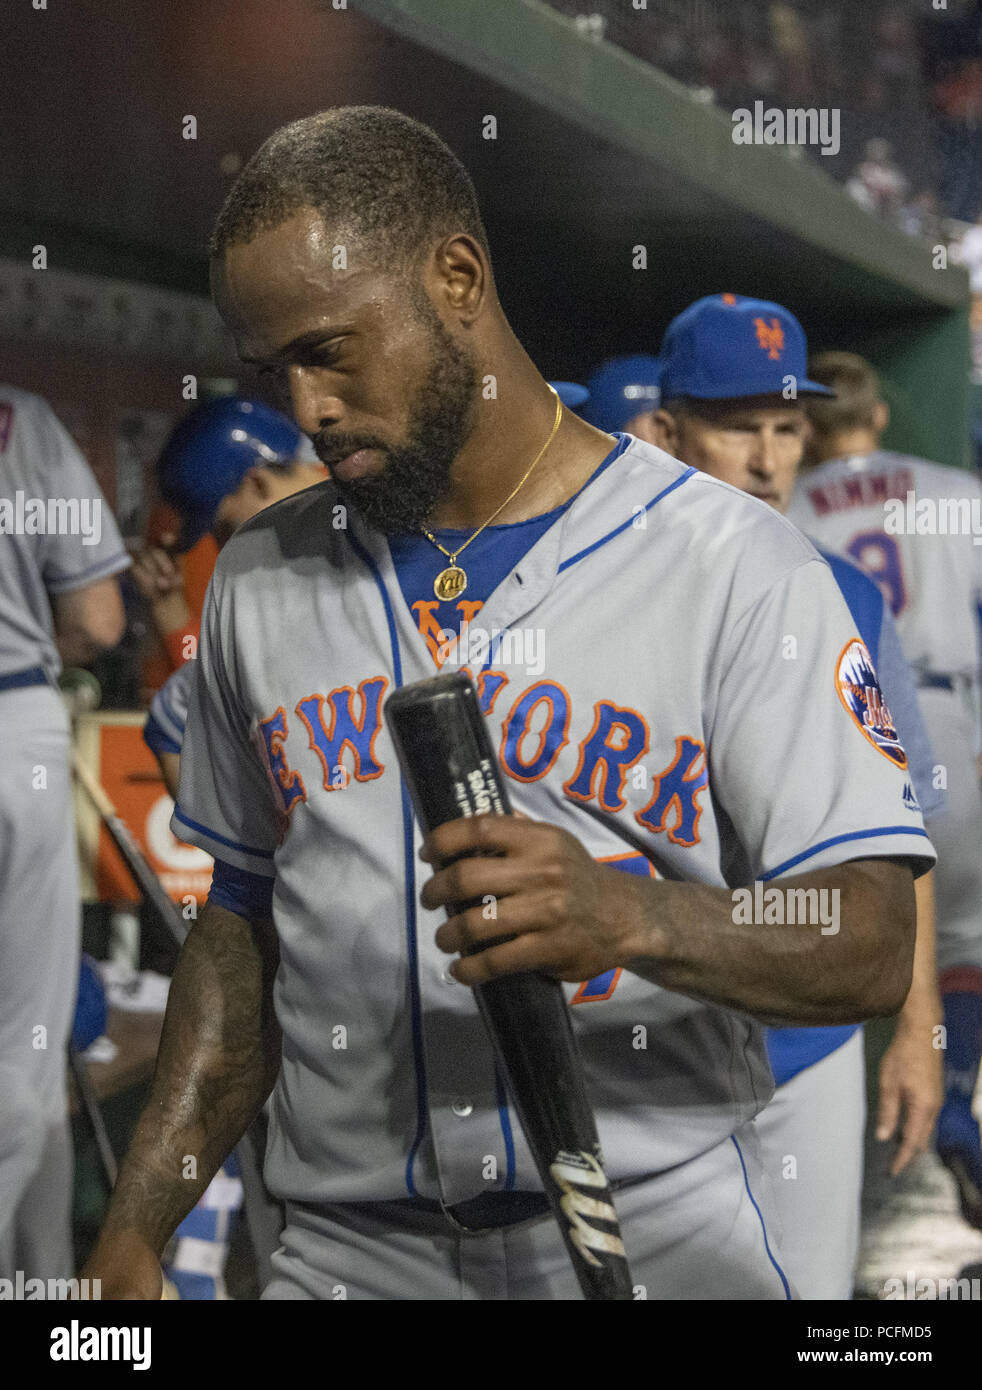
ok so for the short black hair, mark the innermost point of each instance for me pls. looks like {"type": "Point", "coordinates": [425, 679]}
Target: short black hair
{"type": "Point", "coordinates": [379, 175]}
{"type": "Point", "coordinates": [679, 405]}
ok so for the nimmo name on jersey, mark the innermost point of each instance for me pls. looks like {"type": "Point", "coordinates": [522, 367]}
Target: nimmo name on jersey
{"type": "Point", "coordinates": [904, 513]}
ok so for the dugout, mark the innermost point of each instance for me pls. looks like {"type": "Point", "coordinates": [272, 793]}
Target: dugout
{"type": "Point", "coordinates": [625, 156]}
{"type": "Point", "coordinates": [596, 153]}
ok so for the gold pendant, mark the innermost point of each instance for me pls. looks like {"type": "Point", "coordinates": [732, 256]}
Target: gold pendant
{"type": "Point", "coordinates": [450, 583]}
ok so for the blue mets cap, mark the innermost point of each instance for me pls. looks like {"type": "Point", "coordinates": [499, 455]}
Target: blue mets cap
{"type": "Point", "coordinates": [725, 346]}
{"type": "Point", "coordinates": [571, 393]}
{"type": "Point", "coordinates": [622, 388]}
{"type": "Point", "coordinates": [211, 451]}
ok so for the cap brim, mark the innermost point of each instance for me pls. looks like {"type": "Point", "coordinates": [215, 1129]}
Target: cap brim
{"type": "Point", "coordinates": [735, 391]}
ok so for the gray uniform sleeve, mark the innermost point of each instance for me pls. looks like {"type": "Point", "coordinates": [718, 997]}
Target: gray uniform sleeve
{"type": "Point", "coordinates": [225, 804]}
{"type": "Point", "coordinates": [901, 696]}
{"type": "Point", "coordinates": [164, 729]}
{"type": "Point", "coordinates": [74, 556]}
{"type": "Point", "coordinates": [801, 755]}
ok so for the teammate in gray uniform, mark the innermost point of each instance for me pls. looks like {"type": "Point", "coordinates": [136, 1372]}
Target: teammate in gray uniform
{"type": "Point", "coordinates": [910, 524]}
{"type": "Point", "coordinates": [661, 733]}
{"type": "Point", "coordinates": [59, 602]}
{"type": "Point", "coordinates": [726, 411]}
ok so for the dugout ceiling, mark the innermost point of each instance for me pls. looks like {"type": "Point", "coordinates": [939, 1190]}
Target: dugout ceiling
{"type": "Point", "coordinates": [595, 154]}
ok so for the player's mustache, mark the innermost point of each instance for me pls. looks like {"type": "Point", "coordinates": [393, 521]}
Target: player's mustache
{"type": "Point", "coordinates": [338, 446]}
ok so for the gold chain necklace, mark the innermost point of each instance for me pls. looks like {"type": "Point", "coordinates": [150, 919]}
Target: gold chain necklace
{"type": "Point", "coordinates": [451, 582]}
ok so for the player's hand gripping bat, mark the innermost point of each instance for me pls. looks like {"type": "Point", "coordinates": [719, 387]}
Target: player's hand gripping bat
{"type": "Point", "coordinates": [451, 770]}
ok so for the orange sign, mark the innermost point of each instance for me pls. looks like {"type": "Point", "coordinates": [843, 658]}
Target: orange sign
{"type": "Point", "coordinates": [112, 747]}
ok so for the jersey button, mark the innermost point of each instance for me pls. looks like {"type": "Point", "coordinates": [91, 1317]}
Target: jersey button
{"type": "Point", "coordinates": [447, 978]}
{"type": "Point", "coordinates": [462, 1108]}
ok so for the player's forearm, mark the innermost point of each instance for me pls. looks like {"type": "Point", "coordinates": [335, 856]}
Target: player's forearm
{"type": "Point", "coordinates": [170, 613]}
{"type": "Point", "coordinates": [78, 646]}
{"type": "Point", "coordinates": [699, 942]}
{"type": "Point", "coordinates": [218, 1060]}
{"type": "Point", "coordinates": [922, 1010]}
{"type": "Point", "coordinates": [170, 767]}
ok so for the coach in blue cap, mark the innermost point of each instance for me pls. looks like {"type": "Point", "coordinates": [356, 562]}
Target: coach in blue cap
{"type": "Point", "coordinates": [733, 370]}
{"type": "Point", "coordinates": [733, 374]}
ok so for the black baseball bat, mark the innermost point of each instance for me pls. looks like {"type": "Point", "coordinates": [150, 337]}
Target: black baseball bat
{"type": "Point", "coordinates": [448, 762]}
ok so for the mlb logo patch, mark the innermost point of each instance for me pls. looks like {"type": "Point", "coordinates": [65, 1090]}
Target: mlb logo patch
{"type": "Point", "coordinates": [6, 422]}
{"type": "Point", "coordinates": [859, 690]}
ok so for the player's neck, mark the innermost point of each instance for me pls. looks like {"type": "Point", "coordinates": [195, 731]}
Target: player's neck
{"type": "Point", "coordinates": [510, 432]}
{"type": "Point", "coordinates": [848, 443]}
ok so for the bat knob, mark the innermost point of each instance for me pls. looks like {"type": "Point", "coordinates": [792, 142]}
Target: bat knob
{"type": "Point", "coordinates": [80, 691]}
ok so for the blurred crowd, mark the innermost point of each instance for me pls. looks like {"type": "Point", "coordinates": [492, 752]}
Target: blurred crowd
{"type": "Point", "coordinates": [908, 85]}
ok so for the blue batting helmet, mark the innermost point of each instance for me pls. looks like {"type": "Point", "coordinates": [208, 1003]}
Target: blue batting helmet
{"type": "Point", "coordinates": [620, 389]}
{"type": "Point", "coordinates": [571, 393]}
{"type": "Point", "coordinates": [210, 452]}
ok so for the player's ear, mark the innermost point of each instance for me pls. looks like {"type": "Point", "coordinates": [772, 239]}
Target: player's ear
{"type": "Point", "coordinates": [881, 416]}
{"type": "Point", "coordinates": [458, 276]}
{"type": "Point", "coordinates": [642, 427]}
{"type": "Point", "coordinates": [665, 431]}
{"type": "Point", "coordinates": [261, 483]}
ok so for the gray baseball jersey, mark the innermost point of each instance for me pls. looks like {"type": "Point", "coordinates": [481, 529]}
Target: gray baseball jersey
{"type": "Point", "coordinates": [909, 524]}
{"type": "Point", "coordinates": [56, 531]}
{"type": "Point", "coordinates": [164, 729]}
{"type": "Point", "coordinates": [913, 526]}
{"type": "Point", "coordinates": [704, 711]}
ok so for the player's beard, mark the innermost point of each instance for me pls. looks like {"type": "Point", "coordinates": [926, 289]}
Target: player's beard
{"type": "Point", "coordinates": [416, 475]}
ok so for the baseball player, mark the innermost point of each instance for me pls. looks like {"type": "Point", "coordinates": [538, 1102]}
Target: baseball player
{"type": "Point", "coordinates": [628, 660]}
{"type": "Point", "coordinates": [198, 490]}
{"type": "Point", "coordinates": [726, 363]}
{"type": "Point", "coordinates": [60, 602]}
{"type": "Point", "coordinates": [909, 523]}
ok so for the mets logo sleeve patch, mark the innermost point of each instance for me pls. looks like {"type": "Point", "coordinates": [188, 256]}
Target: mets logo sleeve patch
{"type": "Point", "coordinates": [860, 692]}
